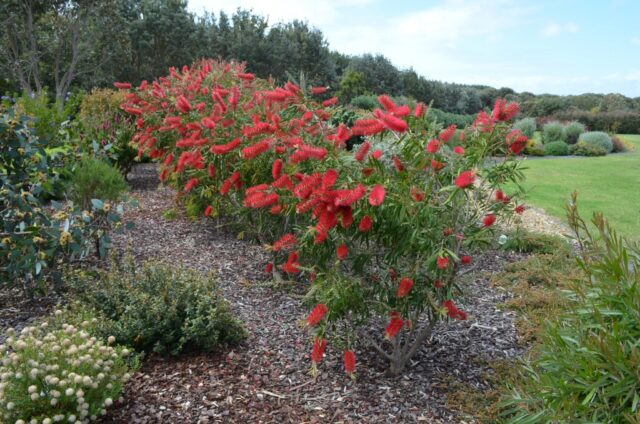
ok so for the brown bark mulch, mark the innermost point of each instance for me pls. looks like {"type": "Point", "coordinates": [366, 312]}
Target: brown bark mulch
{"type": "Point", "coordinates": [267, 379]}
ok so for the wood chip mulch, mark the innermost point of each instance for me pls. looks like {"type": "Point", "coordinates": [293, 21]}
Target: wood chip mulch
{"type": "Point", "coordinates": [267, 379]}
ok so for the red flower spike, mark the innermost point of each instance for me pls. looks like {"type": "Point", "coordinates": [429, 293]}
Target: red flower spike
{"type": "Point", "coordinates": [317, 314]}
{"type": "Point", "coordinates": [466, 260]}
{"type": "Point", "coordinates": [286, 241]}
{"type": "Point", "coordinates": [387, 103]}
{"type": "Point", "coordinates": [191, 184]}
{"type": "Point", "coordinates": [366, 223]}
{"type": "Point", "coordinates": [342, 252]}
{"type": "Point", "coordinates": [122, 85]}
{"type": "Point", "coordinates": [394, 327]}
{"type": "Point", "coordinates": [448, 133]}
{"type": "Point", "coordinates": [208, 211]}
{"type": "Point", "coordinates": [394, 123]}
{"type": "Point", "coordinates": [433, 146]}
{"type": "Point", "coordinates": [318, 90]}
{"type": "Point", "coordinates": [276, 170]}
{"type": "Point", "coordinates": [453, 311]}
{"type": "Point", "coordinates": [319, 346]}
{"type": "Point", "coordinates": [489, 220]}
{"type": "Point", "coordinates": [376, 154]}
{"type": "Point", "coordinates": [465, 179]}
{"type": "Point", "coordinates": [330, 102]}
{"type": "Point", "coordinates": [349, 361]}
{"type": "Point", "coordinates": [520, 209]}
{"type": "Point", "coordinates": [458, 150]}
{"type": "Point", "coordinates": [417, 195]}
{"type": "Point", "coordinates": [443, 262]}
{"type": "Point", "coordinates": [406, 284]}
{"type": "Point", "coordinates": [268, 268]}
{"type": "Point", "coordinates": [211, 170]}
{"type": "Point", "coordinates": [376, 198]}
{"type": "Point", "coordinates": [420, 110]}
{"type": "Point", "coordinates": [362, 152]}
{"type": "Point", "coordinates": [398, 164]}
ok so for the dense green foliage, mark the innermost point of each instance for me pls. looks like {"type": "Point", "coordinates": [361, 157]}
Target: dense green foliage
{"type": "Point", "coordinates": [616, 121]}
{"type": "Point", "coordinates": [586, 149]}
{"type": "Point", "coordinates": [556, 148]}
{"type": "Point", "coordinates": [553, 131]}
{"type": "Point", "coordinates": [156, 308]}
{"type": "Point", "coordinates": [526, 125]}
{"type": "Point", "coordinates": [597, 139]}
{"type": "Point", "coordinates": [585, 368]}
{"type": "Point", "coordinates": [95, 179]}
{"type": "Point", "coordinates": [572, 131]}
{"type": "Point", "coordinates": [58, 372]}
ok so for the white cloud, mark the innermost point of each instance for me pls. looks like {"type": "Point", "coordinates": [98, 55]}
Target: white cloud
{"type": "Point", "coordinates": [554, 29]}
{"type": "Point", "coordinates": [635, 40]}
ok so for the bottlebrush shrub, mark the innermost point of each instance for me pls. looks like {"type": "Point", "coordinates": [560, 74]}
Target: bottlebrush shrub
{"type": "Point", "coordinates": [356, 223]}
{"type": "Point", "coordinates": [36, 237]}
{"type": "Point", "coordinates": [57, 372]}
{"type": "Point", "coordinates": [156, 308]}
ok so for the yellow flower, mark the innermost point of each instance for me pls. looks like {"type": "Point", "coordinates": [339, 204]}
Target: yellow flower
{"type": "Point", "coordinates": [65, 238]}
{"type": "Point", "coordinates": [6, 240]}
{"type": "Point", "coordinates": [106, 207]}
{"type": "Point", "coordinates": [37, 239]}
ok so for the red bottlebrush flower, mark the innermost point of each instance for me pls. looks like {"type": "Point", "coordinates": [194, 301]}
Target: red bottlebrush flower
{"type": "Point", "coordinates": [222, 149]}
{"type": "Point", "coordinates": [256, 150]}
{"type": "Point", "coordinates": [520, 209]}
{"type": "Point", "coordinates": [329, 178]}
{"type": "Point", "coordinates": [517, 141]}
{"type": "Point", "coordinates": [398, 164]}
{"type": "Point", "coordinates": [465, 179]}
{"type": "Point", "coordinates": [367, 171]}
{"type": "Point", "coordinates": [420, 110]}
{"type": "Point", "coordinates": [499, 195]}
{"type": "Point", "coordinates": [448, 133]}
{"type": "Point", "coordinates": [286, 241]}
{"type": "Point", "coordinates": [394, 123]}
{"type": "Point", "coordinates": [211, 170]}
{"type": "Point", "coordinates": [417, 195]}
{"type": "Point", "coordinates": [466, 260]}
{"type": "Point", "coordinates": [191, 184]}
{"type": "Point", "coordinates": [133, 111]}
{"type": "Point", "coordinates": [367, 127]}
{"type": "Point", "coordinates": [342, 252]}
{"type": "Point", "coordinates": [164, 174]}
{"type": "Point", "coordinates": [246, 76]}
{"type": "Point", "coordinates": [458, 150]}
{"type": "Point", "coordinates": [376, 154]}
{"type": "Point", "coordinates": [436, 165]}
{"type": "Point", "coordinates": [387, 103]}
{"type": "Point", "coordinates": [347, 217]}
{"type": "Point", "coordinates": [122, 85]}
{"type": "Point", "coordinates": [443, 262]}
{"type": "Point", "coordinates": [268, 268]}
{"type": "Point", "coordinates": [292, 266]}
{"type": "Point", "coordinates": [361, 154]}
{"type": "Point", "coordinates": [317, 314]}
{"type": "Point", "coordinates": [406, 284]}
{"type": "Point", "coordinates": [183, 104]}
{"type": "Point", "coordinates": [366, 223]}
{"type": "Point", "coordinates": [349, 361]}
{"type": "Point", "coordinates": [168, 159]}
{"type": "Point", "coordinates": [261, 200]}
{"type": "Point", "coordinates": [433, 146]}
{"type": "Point", "coordinates": [275, 210]}
{"type": "Point", "coordinates": [276, 169]}
{"type": "Point", "coordinates": [483, 122]}
{"type": "Point", "coordinates": [209, 123]}
{"type": "Point", "coordinates": [489, 220]}
{"type": "Point", "coordinates": [330, 102]}
{"type": "Point", "coordinates": [453, 311]}
{"type": "Point", "coordinates": [505, 112]}
{"type": "Point", "coordinates": [447, 232]}
{"type": "Point", "coordinates": [394, 327]}
{"type": "Point", "coordinates": [319, 90]}
{"type": "Point", "coordinates": [351, 196]}
{"type": "Point", "coordinates": [284, 181]}
{"type": "Point", "coordinates": [208, 211]}
{"type": "Point", "coordinates": [401, 111]}
{"type": "Point", "coordinates": [438, 284]}
{"type": "Point", "coordinates": [319, 346]}
{"type": "Point", "coordinates": [376, 198]}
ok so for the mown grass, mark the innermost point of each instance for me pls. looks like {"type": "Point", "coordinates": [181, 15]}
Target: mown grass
{"type": "Point", "coordinates": [607, 184]}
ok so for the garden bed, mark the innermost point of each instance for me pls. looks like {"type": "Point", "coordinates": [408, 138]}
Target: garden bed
{"type": "Point", "coordinates": [267, 378]}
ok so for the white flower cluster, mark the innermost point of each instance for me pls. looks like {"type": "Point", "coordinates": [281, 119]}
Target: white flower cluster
{"type": "Point", "coordinates": [58, 375]}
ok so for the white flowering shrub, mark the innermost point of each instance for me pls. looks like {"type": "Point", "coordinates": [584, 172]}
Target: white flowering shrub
{"type": "Point", "coordinates": [57, 372]}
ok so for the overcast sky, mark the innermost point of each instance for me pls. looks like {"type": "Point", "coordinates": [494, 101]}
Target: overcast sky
{"type": "Point", "coordinates": [545, 46]}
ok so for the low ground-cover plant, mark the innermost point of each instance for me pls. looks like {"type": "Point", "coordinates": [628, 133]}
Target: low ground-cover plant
{"type": "Point", "coordinates": [585, 368]}
{"type": "Point", "coordinates": [556, 148]}
{"type": "Point", "coordinates": [525, 241]}
{"type": "Point", "coordinates": [36, 236]}
{"type": "Point", "coordinates": [156, 308]}
{"type": "Point", "coordinates": [56, 372]}
{"type": "Point", "coordinates": [534, 148]}
{"type": "Point", "coordinates": [586, 149]}
{"type": "Point", "coordinates": [379, 232]}
{"type": "Point", "coordinates": [96, 179]}
{"type": "Point", "coordinates": [619, 146]}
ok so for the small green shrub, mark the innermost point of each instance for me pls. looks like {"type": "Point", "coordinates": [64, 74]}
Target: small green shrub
{"type": "Point", "coordinates": [157, 307]}
{"type": "Point", "coordinates": [553, 131]}
{"type": "Point", "coordinates": [573, 130]}
{"type": "Point", "coordinates": [586, 367]}
{"type": "Point", "coordinates": [534, 148]}
{"type": "Point", "coordinates": [556, 148]}
{"type": "Point", "coordinates": [619, 146]}
{"type": "Point", "coordinates": [527, 126]}
{"type": "Point", "coordinates": [584, 149]}
{"type": "Point", "coordinates": [59, 372]}
{"type": "Point", "coordinates": [365, 102]}
{"type": "Point", "coordinates": [96, 179]}
{"type": "Point", "coordinates": [597, 139]}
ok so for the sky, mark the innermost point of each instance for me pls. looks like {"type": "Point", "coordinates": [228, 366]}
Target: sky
{"type": "Point", "coordinates": [543, 46]}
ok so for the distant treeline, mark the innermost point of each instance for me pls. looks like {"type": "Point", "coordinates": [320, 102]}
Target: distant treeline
{"type": "Point", "coordinates": [66, 45]}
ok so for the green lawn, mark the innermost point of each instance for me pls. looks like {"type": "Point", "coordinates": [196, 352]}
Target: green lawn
{"type": "Point", "coordinates": [610, 184]}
